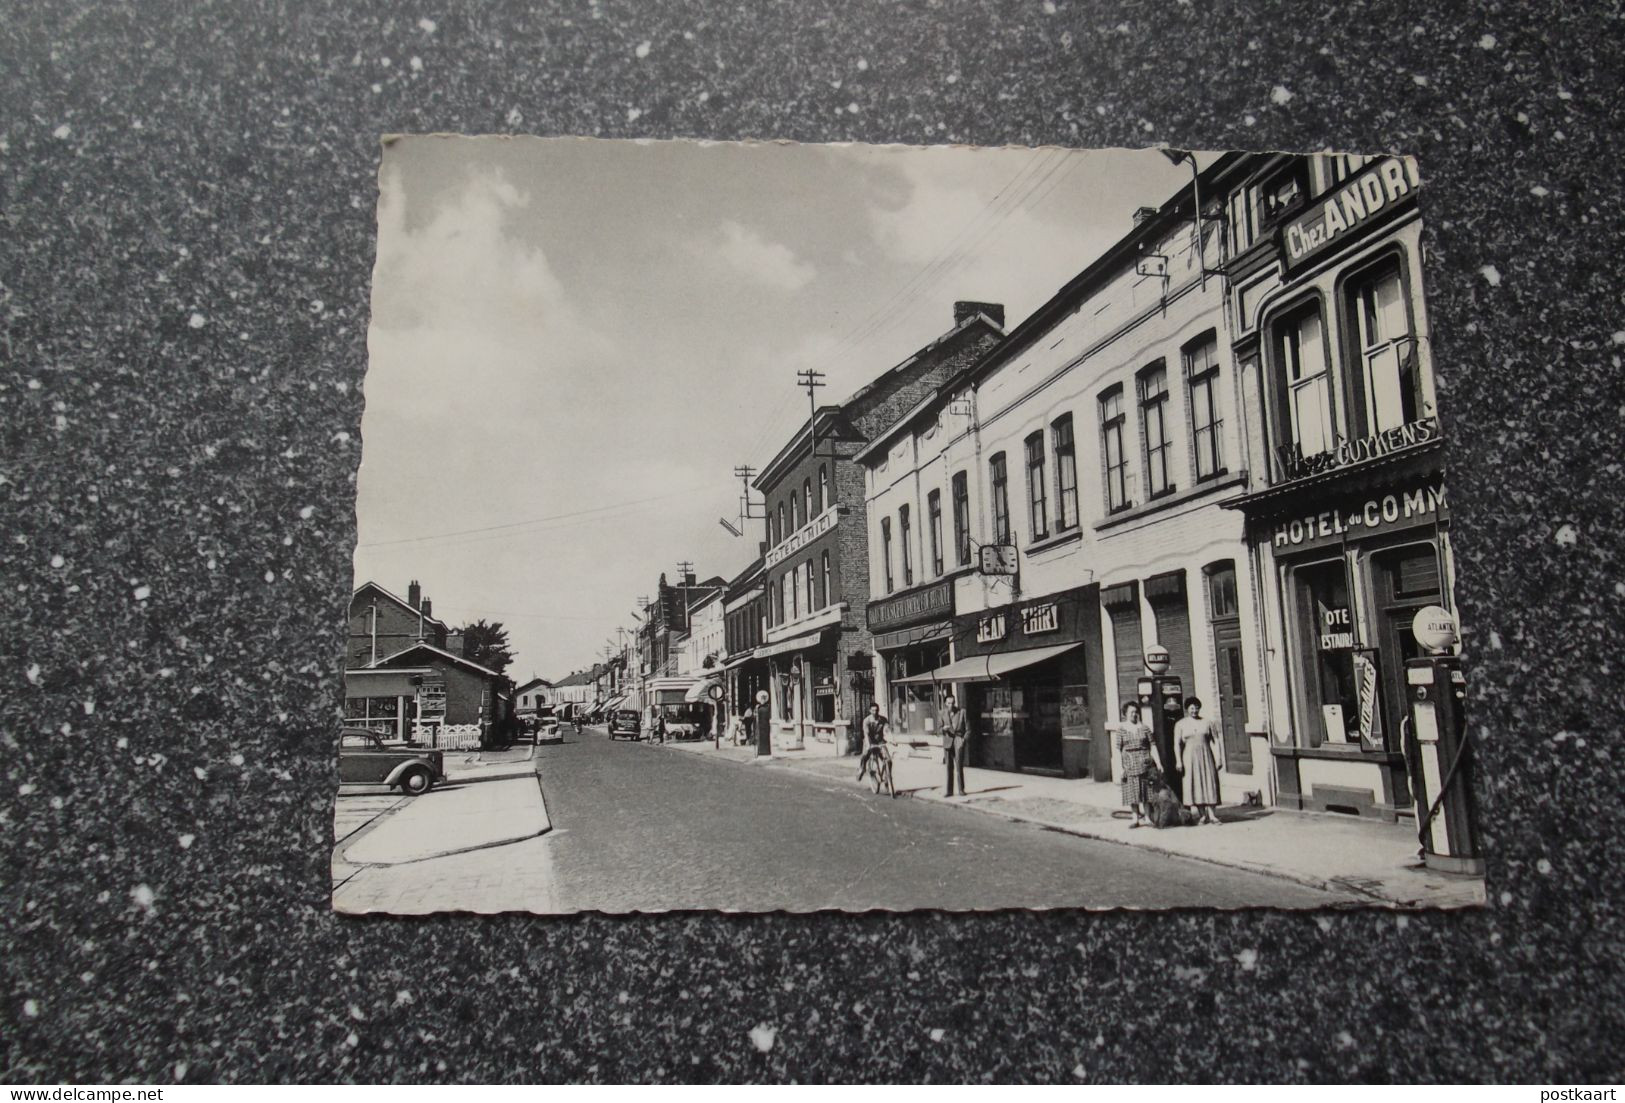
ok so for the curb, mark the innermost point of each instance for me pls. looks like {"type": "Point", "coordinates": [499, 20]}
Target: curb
{"type": "Point", "coordinates": [987, 809]}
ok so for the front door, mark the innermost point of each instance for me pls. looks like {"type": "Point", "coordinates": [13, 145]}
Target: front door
{"type": "Point", "coordinates": [1038, 734]}
{"type": "Point", "coordinates": [1238, 749]}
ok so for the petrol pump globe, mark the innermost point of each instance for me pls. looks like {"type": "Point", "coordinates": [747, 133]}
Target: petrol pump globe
{"type": "Point", "coordinates": [1156, 659]}
{"type": "Point", "coordinates": [1435, 630]}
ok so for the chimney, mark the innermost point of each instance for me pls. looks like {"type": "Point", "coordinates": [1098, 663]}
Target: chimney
{"type": "Point", "coordinates": [414, 594]}
{"type": "Point", "coordinates": [968, 308]}
{"type": "Point", "coordinates": [1143, 214]}
{"type": "Point", "coordinates": [428, 608]}
{"type": "Point", "coordinates": [688, 579]}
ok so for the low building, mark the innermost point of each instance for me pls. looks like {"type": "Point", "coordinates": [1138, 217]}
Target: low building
{"type": "Point", "coordinates": [530, 698]}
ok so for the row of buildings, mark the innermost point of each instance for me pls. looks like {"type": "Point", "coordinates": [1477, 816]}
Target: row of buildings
{"type": "Point", "coordinates": [1220, 439]}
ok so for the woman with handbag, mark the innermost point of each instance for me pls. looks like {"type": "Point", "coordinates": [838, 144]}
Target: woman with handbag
{"type": "Point", "coordinates": [1137, 750]}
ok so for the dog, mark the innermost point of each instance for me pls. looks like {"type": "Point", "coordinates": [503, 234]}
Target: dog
{"type": "Point", "coordinates": [1166, 811]}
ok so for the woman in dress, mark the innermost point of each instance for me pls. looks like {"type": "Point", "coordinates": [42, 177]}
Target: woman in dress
{"type": "Point", "coordinates": [1201, 757]}
{"type": "Point", "coordinates": [1138, 751]}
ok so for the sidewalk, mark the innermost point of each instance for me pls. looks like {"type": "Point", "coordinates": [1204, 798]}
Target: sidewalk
{"type": "Point", "coordinates": [452, 820]}
{"type": "Point", "coordinates": [464, 766]}
{"type": "Point", "coordinates": [1341, 854]}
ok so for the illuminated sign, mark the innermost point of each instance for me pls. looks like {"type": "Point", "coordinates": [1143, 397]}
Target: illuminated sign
{"type": "Point", "coordinates": [1363, 200]}
{"type": "Point", "coordinates": [1295, 465]}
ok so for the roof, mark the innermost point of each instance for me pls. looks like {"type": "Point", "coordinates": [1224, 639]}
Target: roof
{"type": "Point", "coordinates": [528, 686]}
{"type": "Point", "coordinates": [398, 600]}
{"type": "Point", "coordinates": [1076, 291]}
{"type": "Point", "coordinates": [433, 650]}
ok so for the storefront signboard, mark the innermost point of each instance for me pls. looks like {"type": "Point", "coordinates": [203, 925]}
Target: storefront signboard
{"type": "Point", "coordinates": [1365, 676]}
{"type": "Point", "coordinates": [1363, 201]}
{"type": "Point", "coordinates": [1039, 618]}
{"type": "Point", "coordinates": [1395, 510]}
{"type": "Point", "coordinates": [927, 603]}
{"type": "Point", "coordinates": [1336, 628]}
{"type": "Point", "coordinates": [1295, 465]}
{"type": "Point", "coordinates": [803, 536]}
{"type": "Point", "coordinates": [990, 629]}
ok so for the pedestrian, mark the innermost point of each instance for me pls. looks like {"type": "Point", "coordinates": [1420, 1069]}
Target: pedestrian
{"type": "Point", "coordinates": [1201, 757]}
{"type": "Point", "coordinates": [764, 721]}
{"type": "Point", "coordinates": [874, 735]}
{"type": "Point", "coordinates": [660, 725]}
{"type": "Point", "coordinates": [1137, 750]}
{"type": "Point", "coordinates": [955, 742]}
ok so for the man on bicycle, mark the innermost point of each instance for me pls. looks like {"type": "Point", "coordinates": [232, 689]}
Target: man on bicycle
{"type": "Point", "coordinates": [874, 738]}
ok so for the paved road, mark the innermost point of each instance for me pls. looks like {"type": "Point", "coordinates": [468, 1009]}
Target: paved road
{"type": "Point", "coordinates": [640, 828]}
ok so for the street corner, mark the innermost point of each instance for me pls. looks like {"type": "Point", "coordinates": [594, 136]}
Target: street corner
{"type": "Point", "coordinates": [453, 820]}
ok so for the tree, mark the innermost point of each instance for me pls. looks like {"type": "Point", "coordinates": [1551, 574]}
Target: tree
{"type": "Point", "coordinates": [487, 644]}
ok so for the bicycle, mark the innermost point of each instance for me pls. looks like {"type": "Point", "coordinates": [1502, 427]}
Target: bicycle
{"type": "Point", "coordinates": [880, 770]}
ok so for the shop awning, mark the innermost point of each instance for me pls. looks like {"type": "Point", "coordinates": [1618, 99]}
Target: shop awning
{"type": "Point", "coordinates": [986, 668]}
{"type": "Point", "coordinates": [699, 691]}
{"type": "Point", "coordinates": [738, 660]}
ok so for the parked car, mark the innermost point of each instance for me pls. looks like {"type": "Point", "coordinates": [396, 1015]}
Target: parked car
{"type": "Point", "coordinates": [625, 722]}
{"type": "Point", "coordinates": [365, 759]}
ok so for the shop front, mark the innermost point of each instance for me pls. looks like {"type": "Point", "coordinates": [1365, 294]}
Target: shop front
{"type": "Point", "coordinates": [913, 634]}
{"type": "Point", "coordinates": [1353, 557]}
{"type": "Point", "coordinates": [806, 699]}
{"type": "Point", "coordinates": [1024, 673]}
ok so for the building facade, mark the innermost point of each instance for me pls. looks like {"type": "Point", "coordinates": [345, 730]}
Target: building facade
{"type": "Point", "coordinates": [1348, 523]}
{"type": "Point", "coordinates": [1088, 456]}
{"type": "Point", "coordinates": [744, 620]}
{"type": "Point", "coordinates": [816, 569]}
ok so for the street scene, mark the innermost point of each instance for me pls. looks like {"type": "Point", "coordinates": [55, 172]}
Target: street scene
{"type": "Point", "coordinates": [778, 575]}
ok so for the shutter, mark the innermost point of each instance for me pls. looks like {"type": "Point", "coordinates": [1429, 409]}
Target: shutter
{"type": "Point", "coordinates": [1174, 633]}
{"type": "Point", "coordinates": [1130, 652]}
{"type": "Point", "coordinates": [1417, 574]}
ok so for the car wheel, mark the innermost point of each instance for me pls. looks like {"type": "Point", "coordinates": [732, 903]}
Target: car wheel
{"type": "Point", "coordinates": [416, 781]}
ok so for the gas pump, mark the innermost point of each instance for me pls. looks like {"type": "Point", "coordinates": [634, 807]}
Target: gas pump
{"type": "Point", "coordinates": [1162, 699]}
{"type": "Point", "coordinates": [1438, 749]}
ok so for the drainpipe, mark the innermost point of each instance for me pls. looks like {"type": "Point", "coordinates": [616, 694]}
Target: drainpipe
{"type": "Point", "coordinates": [374, 632]}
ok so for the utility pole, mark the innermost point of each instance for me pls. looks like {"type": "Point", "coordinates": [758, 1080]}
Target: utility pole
{"type": "Point", "coordinates": [812, 380]}
{"type": "Point", "coordinates": [743, 473]}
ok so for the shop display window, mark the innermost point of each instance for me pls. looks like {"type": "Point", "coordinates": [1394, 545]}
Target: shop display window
{"type": "Point", "coordinates": [1327, 622]}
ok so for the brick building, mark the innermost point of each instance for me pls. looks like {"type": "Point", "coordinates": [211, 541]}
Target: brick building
{"type": "Point", "coordinates": [816, 571]}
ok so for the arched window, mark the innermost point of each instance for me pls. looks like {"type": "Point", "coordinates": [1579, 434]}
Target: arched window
{"type": "Point", "coordinates": [828, 597]}
{"type": "Point", "coordinates": [778, 529]}
{"type": "Point", "coordinates": [806, 494]}
{"type": "Point", "coordinates": [823, 487]}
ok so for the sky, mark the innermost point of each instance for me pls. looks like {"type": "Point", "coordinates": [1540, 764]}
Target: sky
{"type": "Point", "coordinates": [574, 342]}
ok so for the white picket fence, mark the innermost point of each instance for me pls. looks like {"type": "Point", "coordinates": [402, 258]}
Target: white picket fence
{"type": "Point", "coordinates": [450, 737]}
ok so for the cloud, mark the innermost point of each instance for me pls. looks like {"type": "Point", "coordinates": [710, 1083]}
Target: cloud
{"type": "Point", "coordinates": [463, 268]}
{"type": "Point", "coordinates": [768, 262]}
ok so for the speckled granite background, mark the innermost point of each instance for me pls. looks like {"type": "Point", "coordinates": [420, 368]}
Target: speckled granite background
{"type": "Point", "coordinates": [188, 196]}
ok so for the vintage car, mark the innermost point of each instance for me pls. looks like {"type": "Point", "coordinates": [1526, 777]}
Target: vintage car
{"type": "Point", "coordinates": [365, 759]}
{"type": "Point", "coordinates": [625, 722]}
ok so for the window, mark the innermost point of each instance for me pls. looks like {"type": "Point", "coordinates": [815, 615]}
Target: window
{"type": "Point", "coordinates": [933, 509]}
{"type": "Point", "coordinates": [905, 535]}
{"type": "Point", "coordinates": [1154, 422]}
{"type": "Point", "coordinates": [1037, 490]}
{"type": "Point", "coordinates": [1284, 193]}
{"type": "Point", "coordinates": [778, 528]}
{"type": "Point", "coordinates": [829, 598]}
{"type": "Point", "coordinates": [1243, 221]}
{"type": "Point", "coordinates": [806, 494]}
{"type": "Point", "coordinates": [795, 596]}
{"type": "Point", "coordinates": [1066, 474]}
{"type": "Point", "coordinates": [1001, 499]}
{"type": "Point", "coordinates": [1207, 422]}
{"type": "Point", "coordinates": [1221, 588]}
{"type": "Point", "coordinates": [823, 488]}
{"type": "Point", "coordinates": [885, 552]}
{"type": "Point", "coordinates": [812, 603]}
{"type": "Point", "coordinates": [1390, 383]}
{"type": "Point", "coordinates": [778, 601]}
{"type": "Point", "coordinates": [962, 517]}
{"type": "Point", "coordinates": [795, 514]}
{"type": "Point", "coordinates": [1111, 442]}
{"type": "Point", "coordinates": [1307, 382]}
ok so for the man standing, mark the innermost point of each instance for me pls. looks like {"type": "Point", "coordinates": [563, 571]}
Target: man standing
{"type": "Point", "coordinates": [955, 736]}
